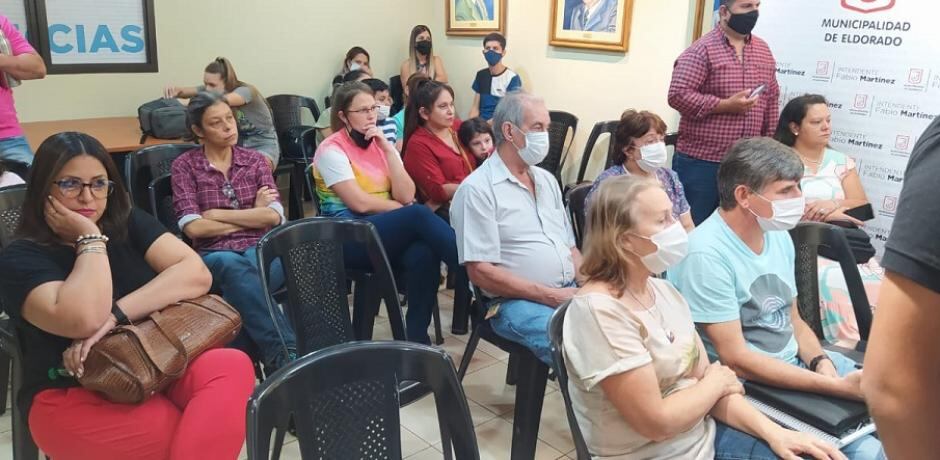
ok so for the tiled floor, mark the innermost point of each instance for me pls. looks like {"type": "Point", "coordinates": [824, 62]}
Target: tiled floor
{"type": "Point", "coordinates": [489, 398]}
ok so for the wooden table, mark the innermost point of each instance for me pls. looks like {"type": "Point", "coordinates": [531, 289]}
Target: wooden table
{"type": "Point", "coordinates": [117, 134]}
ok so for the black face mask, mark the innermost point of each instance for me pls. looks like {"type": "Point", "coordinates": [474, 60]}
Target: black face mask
{"type": "Point", "coordinates": [359, 138]}
{"type": "Point", "coordinates": [423, 47]}
{"type": "Point", "coordinates": [743, 23]}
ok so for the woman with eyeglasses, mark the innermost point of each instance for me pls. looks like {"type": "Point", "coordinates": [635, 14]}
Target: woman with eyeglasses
{"type": "Point", "coordinates": [255, 122]}
{"type": "Point", "coordinates": [84, 261]}
{"type": "Point", "coordinates": [226, 200]}
{"type": "Point", "coordinates": [433, 155]}
{"type": "Point", "coordinates": [359, 174]}
{"type": "Point", "coordinates": [641, 151]}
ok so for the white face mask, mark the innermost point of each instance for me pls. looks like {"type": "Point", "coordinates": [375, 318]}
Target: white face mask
{"type": "Point", "coordinates": [384, 111]}
{"type": "Point", "coordinates": [672, 245]}
{"type": "Point", "coordinates": [787, 213]}
{"type": "Point", "coordinates": [652, 157]}
{"type": "Point", "coordinates": [536, 147]}
{"type": "Point", "coordinates": [354, 66]}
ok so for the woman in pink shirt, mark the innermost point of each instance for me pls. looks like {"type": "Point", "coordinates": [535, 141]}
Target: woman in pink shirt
{"type": "Point", "coordinates": [18, 61]}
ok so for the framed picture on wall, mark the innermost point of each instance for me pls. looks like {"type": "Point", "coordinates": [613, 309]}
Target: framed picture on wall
{"type": "Point", "coordinates": [706, 17]}
{"type": "Point", "coordinates": [591, 24]}
{"type": "Point", "coordinates": [84, 36]}
{"type": "Point", "coordinates": [475, 17]}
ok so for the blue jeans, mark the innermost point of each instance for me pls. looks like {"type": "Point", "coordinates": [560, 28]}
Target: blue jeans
{"type": "Point", "coordinates": [526, 323]}
{"type": "Point", "coordinates": [236, 274]}
{"type": "Point", "coordinates": [868, 447]}
{"type": "Point", "coordinates": [700, 180]}
{"type": "Point", "coordinates": [415, 241]}
{"type": "Point", "coordinates": [16, 148]}
{"type": "Point", "coordinates": [731, 444]}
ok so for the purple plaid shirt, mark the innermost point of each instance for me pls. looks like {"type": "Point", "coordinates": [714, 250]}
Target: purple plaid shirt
{"type": "Point", "coordinates": [709, 71]}
{"type": "Point", "coordinates": [198, 187]}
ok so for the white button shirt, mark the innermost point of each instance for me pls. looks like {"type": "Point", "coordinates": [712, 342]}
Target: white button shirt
{"type": "Point", "coordinates": [497, 220]}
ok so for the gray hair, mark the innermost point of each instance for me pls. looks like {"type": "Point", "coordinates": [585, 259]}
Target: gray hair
{"type": "Point", "coordinates": [511, 109]}
{"type": "Point", "coordinates": [756, 163]}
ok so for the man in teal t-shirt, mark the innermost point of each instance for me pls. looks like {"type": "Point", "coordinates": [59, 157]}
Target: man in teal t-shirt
{"type": "Point", "coordinates": [738, 279]}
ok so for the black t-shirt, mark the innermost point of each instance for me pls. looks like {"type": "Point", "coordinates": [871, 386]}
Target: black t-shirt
{"type": "Point", "coordinates": [913, 248]}
{"type": "Point", "coordinates": [25, 265]}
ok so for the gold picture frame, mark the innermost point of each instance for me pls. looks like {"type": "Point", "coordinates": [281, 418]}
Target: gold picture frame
{"type": "Point", "coordinates": [704, 20]}
{"type": "Point", "coordinates": [604, 25]}
{"type": "Point", "coordinates": [475, 18]}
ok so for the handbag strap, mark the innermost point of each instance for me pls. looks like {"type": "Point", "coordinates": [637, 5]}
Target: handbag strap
{"type": "Point", "coordinates": [174, 341]}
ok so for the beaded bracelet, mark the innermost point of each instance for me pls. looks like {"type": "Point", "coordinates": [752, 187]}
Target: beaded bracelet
{"type": "Point", "coordinates": [93, 249]}
{"type": "Point", "coordinates": [91, 238]}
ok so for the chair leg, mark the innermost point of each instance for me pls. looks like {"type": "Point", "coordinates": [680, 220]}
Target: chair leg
{"type": "Point", "coordinates": [530, 392]}
{"type": "Point", "coordinates": [5, 379]}
{"type": "Point", "coordinates": [365, 306]}
{"type": "Point", "coordinates": [462, 301]}
{"type": "Point", "coordinates": [438, 331]}
{"type": "Point", "coordinates": [468, 353]}
{"type": "Point", "coordinates": [512, 374]}
{"type": "Point", "coordinates": [23, 446]}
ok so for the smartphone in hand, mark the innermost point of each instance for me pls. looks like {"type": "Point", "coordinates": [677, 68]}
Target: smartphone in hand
{"type": "Point", "coordinates": [862, 213]}
{"type": "Point", "coordinates": [757, 91]}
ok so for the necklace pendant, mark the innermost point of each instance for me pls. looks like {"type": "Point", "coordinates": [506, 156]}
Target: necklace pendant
{"type": "Point", "coordinates": [671, 336]}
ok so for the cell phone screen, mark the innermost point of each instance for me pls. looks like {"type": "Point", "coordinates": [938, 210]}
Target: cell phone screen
{"type": "Point", "coordinates": [862, 213]}
{"type": "Point", "coordinates": [757, 91]}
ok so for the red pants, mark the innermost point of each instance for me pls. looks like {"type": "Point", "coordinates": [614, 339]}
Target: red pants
{"type": "Point", "coordinates": [200, 416]}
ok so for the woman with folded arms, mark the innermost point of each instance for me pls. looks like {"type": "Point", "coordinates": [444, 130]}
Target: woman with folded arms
{"type": "Point", "coordinates": [640, 381]}
{"type": "Point", "coordinates": [84, 262]}
{"type": "Point", "coordinates": [359, 175]}
{"type": "Point", "coordinates": [831, 186]}
{"type": "Point", "coordinates": [434, 156]}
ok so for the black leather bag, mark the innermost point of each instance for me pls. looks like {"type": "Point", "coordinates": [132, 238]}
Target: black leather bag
{"type": "Point", "coordinates": [829, 414]}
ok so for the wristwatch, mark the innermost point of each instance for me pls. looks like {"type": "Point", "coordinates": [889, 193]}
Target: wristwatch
{"type": "Point", "coordinates": [815, 362]}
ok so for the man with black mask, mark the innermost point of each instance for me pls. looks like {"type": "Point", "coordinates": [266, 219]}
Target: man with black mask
{"type": "Point", "coordinates": [725, 87]}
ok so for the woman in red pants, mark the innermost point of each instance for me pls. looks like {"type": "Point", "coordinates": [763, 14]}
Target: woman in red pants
{"type": "Point", "coordinates": [83, 262]}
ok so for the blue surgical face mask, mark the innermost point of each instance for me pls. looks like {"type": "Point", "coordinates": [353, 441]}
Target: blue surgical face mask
{"type": "Point", "coordinates": [493, 57]}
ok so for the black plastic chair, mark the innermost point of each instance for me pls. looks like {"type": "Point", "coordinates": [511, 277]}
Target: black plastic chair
{"type": "Point", "coordinates": [555, 335]}
{"type": "Point", "coordinates": [147, 164]}
{"type": "Point", "coordinates": [308, 179]}
{"type": "Point", "coordinates": [397, 91]}
{"type": "Point", "coordinates": [311, 253]}
{"type": "Point", "coordinates": [344, 402]}
{"type": "Point", "coordinates": [160, 191]}
{"type": "Point", "coordinates": [17, 167]}
{"type": "Point", "coordinates": [809, 239]}
{"type": "Point", "coordinates": [287, 111]}
{"type": "Point", "coordinates": [11, 203]}
{"type": "Point", "coordinates": [577, 210]}
{"type": "Point", "coordinates": [601, 127]}
{"type": "Point", "coordinates": [525, 371]}
{"type": "Point", "coordinates": [561, 133]}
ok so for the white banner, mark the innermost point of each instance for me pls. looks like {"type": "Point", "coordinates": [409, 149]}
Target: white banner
{"type": "Point", "coordinates": [15, 11]}
{"type": "Point", "coordinates": [876, 62]}
{"type": "Point", "coordinates": [96, 31]}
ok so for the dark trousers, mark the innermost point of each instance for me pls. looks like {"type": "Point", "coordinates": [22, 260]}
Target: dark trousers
{"type": "Point", "coordinates": [700, 180]}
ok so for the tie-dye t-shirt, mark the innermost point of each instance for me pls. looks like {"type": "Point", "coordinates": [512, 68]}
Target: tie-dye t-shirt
{"type": "Point", "coordinates": [339, 159]}
{"type": "Point", "coordinates": [724, 280]}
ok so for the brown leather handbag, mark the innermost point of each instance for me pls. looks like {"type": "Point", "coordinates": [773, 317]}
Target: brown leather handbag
{"type": "Point", "coordinates": [133, 362]}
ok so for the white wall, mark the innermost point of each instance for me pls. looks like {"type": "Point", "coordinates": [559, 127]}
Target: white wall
{"type": "Point", "coordinates": [595, 86]}
{"type": "Point", "coordinates": [287, 46]}
{"type": "Point", "coordinates": [296, 46]}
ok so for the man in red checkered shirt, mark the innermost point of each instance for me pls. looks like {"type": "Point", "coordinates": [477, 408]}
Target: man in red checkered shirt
{"type": "Point", "coordinates": [725, 87]}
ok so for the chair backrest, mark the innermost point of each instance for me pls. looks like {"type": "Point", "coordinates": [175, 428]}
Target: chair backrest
{"type": "Point", "coordinates": [808, 237]}
{"type": "Point", "coordinates": [286, 110]}
{"type": "Point", "coordinates": [561, 133]}
{"type": "Point", "coordinates": [309, 142]}
{"type": "Point", "coordinates": [601, 127]}
{"type": "Point", "coordinates": [308, 179]}
{"type": "Point", "coordinates": [577, 209]}
{"type": "Point", "coordinates": [397, 91]}
{"type": "Point", "coordinates": [160, 192]}
{"type": "Point", "coordinates": [311, 252]}
{"type": "Point", "coordinates": [344, 402]}
{"type": "Point", "coordinates": [11, 210]}
{"type": "Point", "coordinates": [147, 164]}
{"type": "Point", "coordinates": [17, 167]}
{"type": "Point", "coordinates": [556, 328]}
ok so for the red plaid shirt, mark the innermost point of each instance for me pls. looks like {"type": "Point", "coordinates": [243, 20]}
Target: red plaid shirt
{"type": "Point", "coordinates": [709, 71]}
{"type": "Point", "coordinates": [197, 187]}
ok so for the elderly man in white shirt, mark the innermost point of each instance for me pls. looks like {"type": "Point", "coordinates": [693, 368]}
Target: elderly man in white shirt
{"type": "Point", "coordinates": [513, 234]}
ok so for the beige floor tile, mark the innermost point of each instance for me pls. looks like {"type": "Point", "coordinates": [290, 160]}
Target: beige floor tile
{"type": "Point", "coordinates": [553, 426]}
{"type": "Point", "coordinates": [420, 418]}
{"type": "Point", "coordinates": [455, 346]}
{"type": "Point", "coordinates": [494, 439]}
{"type": "Point", "coordinates": [427, 454]}
{"type": "Point", "coordinates": [487, 387]}
{"type": "Point", "coordinates": [411, 444]}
